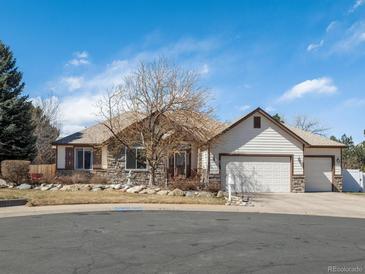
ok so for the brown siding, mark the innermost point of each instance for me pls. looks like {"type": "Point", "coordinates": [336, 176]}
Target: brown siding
{"type": "Point", "coordinates": [69, 155]}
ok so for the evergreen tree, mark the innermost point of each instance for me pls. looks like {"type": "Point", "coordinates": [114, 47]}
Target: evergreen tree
{"type": "Point", "coordinates": [17, 139]}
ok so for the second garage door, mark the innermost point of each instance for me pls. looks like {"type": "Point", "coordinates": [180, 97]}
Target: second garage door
{"type": "Point", "coordinates": [256, 173]}
{"type": "Point", "coordinates": [318, 174]}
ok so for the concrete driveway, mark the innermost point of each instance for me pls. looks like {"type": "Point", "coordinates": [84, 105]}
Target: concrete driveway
{"type": "Point", "coordinates": [321, 203]}
{"type": "Point", "coordinates": [180, 242]}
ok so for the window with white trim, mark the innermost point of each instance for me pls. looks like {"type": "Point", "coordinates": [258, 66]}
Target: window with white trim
{"type": "Point", "coordinates": [83, 158]}
{"type": "Point", "coordinates": [135, 159]}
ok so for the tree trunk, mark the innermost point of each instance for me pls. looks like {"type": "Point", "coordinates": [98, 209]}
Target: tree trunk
{"type": "Point", "coordinates": [152, 178]}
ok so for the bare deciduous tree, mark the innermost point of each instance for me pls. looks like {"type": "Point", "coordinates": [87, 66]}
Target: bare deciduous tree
{"type": "Point", "coordinates": [165, 106]}
{"type": "Point", "coordinates": [47, 128]}
{"type": "Point", "coordinates": [303, 122]}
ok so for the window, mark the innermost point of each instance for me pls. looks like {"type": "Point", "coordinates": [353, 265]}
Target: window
{"type": "Point", "coordinates": [257, 122]}
{"type": "Point", "coordinates": [135, 159]}
{"type": "Point", "coordinates": [83, 158]}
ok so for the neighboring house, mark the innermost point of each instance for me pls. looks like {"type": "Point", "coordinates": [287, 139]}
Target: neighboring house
{"type": "Point", "coordinates": [259, 154]}
{"type": "Point", "coordinates": [254, 154]}
{"type": "Point", "coordinates": [94, 151]}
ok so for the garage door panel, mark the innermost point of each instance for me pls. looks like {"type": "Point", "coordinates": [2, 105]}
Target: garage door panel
{"type": "Point", "coordinates": [318, 174]}
{"type": "Point", "coordinates": [256, 174]}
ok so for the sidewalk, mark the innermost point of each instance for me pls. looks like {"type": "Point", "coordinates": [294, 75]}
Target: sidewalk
{"type": "Point", "coordinates": [319, 204]}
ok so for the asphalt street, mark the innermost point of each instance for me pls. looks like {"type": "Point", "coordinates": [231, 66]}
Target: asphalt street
{"type": "Point", "coordinates": [180, 242]}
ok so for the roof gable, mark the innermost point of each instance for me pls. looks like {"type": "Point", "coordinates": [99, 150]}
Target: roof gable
{"type": "Point", "coordinates": [306, 138]}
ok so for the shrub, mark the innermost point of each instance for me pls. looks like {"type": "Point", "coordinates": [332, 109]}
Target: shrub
{"type": "Point", "coordinates": [77, 178]}
{"type": "Point", "coordinates": [213, 187]}
{"type": "Point", "coordinates": [16, 171]}
{"type": "Point", "coordinates": [187, 184]}
{"type": "Point", "coordinates": [96, 179]}
{"type": "Point", "coordinates": [48, 179]}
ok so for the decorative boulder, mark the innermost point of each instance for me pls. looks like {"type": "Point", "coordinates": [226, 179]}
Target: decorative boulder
{"type": "Point", "coordinates": [135, 189]}
{"type": "Point", "coordinates": [24, 186]}
{"type": "Point", "coordinates": [3, 183]}
{"type": "Point", "coordinates": [162, 192]}
{"type": "Point", "coordinates": [46, 187]}
{"type": "Point", "coordinates": [151, 191]}
{"type": "Point", "coordinates": [205, 194]}
{"type": "Point", "coordinates": [176, 192]}
{"type": "Point", "coordinates": [220, 194]}
{"type": "Point", "coordinates": [189, 194]}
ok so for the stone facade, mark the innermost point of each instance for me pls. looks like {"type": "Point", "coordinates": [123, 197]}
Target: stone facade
{"type": "Point", "coordinates": [337, 183]}
{"type": "Point", "coordinates": [297, 184]}
{"type": "Point", "coordinates": [117, 173]}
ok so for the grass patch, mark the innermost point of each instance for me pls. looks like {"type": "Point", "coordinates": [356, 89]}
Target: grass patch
{"type": "Point", "coordinates": [39, 198]}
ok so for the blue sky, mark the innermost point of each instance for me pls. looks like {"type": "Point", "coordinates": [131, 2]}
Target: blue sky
{"type": "Point", "coordinates": [288, 57]}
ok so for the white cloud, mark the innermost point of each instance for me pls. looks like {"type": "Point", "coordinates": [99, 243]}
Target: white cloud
{"type": "Point", "coordinates": [204, 69]}
{"type": "Point", "coordinates": [80, 58]}
{"type": "Point", "coordinates": [356, 5]}
{"type": "Point", "coordinates": [79, 110]}
{"type": "Point", "coordinates": [72, 83]}
{"type": "Point", "coordinates": [76, 112]}
{"type": "Point", "coordinates": [353, 37]}
{"type": "Point", "coordinates": [355, 102]}
{"type": "Point", "coordinates": [331, 26]}
{"type": "Point", "coordinates": [322, 85]}
{"type": "Point", "coordinates": [269, 109]}
{"type": "Point", "coordinates": [244, 108]}
{"type": "Point", "coordinates": [315, 46]}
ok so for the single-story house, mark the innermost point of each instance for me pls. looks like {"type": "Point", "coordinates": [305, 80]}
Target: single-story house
{"type": "Point", "coordinates": [95, 151]}
{"type": "Point", "coordinates": [254, 154]}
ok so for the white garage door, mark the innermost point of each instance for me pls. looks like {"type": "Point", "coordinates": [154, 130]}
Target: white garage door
{"type": "Point", "coordinates": [256, 173]}
{"type": "Point", "coordinates": [318, 174]}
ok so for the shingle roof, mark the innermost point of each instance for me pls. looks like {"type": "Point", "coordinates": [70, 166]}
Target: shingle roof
{"type": "Point", "coordinates": [96, 134]}
{"type": "Point", "coordinates": [99, 133]}
{"type": "Point", "coordinates": [314, 139]}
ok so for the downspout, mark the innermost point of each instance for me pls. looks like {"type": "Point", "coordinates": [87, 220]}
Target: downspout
{"type": "Point", "coordinates": [208, 168]}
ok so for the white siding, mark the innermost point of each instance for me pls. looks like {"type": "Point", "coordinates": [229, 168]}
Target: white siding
{"type": "Point", "coordinates": [328, 152]}
{"type": "Point", "coordinates": [61, 153]}
{"type": "Point", "coordinates": [104, 157]}
{"type": "Point", "coordinates": [269, 139]}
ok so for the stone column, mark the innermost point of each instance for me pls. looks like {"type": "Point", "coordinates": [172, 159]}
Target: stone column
{"type": "Point", "coordinates": [297, 184]}
{"type": "Point", "coordinates": [337, 183]}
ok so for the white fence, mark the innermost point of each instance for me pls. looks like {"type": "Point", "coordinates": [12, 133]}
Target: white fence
{"type": "Point", "coordinates": [353, 180]}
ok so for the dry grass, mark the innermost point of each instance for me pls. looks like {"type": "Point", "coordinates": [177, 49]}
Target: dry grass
{"type": "Point", "coordinates": [39, 198]}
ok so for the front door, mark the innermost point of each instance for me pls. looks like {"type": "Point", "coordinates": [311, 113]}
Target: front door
{"type": "Point", "coordinates": [180, 163]}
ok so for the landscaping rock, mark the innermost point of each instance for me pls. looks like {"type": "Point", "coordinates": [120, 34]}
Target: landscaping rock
{"type": "Point", "coordinates": [220, 194]}
{"type": "Point", "coordinates": [117, 186]}
{"type": "Point", "coordinates": [24, 186]}
{"type": "Point", "coordinates": [176, 192]}
{"type": "Point", "coordinates": [3, 183]}
{"type": "Point", "coordinates": [144, 191]}
{"type": "Point", "coordinates": [205, 194]}
{"type": "Point", "coordinates": [162, 192]}
{"type": "Point", "coordinates": [99, 186]}
{"type": "Point", "coordinates": [189, 194]}
{"type": "Point", "coordinates": [136, 189]}
{"type": "Point", "coordinates": [96, 189]}
{"type": "Point", "coordinates": [45, 187]}
{"type": "Point", "coordinates": [66, 188]}
{"type": "Point", "coordinates": [55, 188]}
{"type": "Point", "coordinates": [151, 191]}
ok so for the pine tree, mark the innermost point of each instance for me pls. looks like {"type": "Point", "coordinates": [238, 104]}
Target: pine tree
{"type": "Point", "coordinates": [17, 139]}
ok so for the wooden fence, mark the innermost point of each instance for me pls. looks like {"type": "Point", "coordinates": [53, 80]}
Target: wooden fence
{"type": "Point", "coordinates": [45, 170]}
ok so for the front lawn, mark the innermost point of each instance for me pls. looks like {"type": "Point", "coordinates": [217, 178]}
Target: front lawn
{"type": "Point", "coordinates": [39, 198]}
